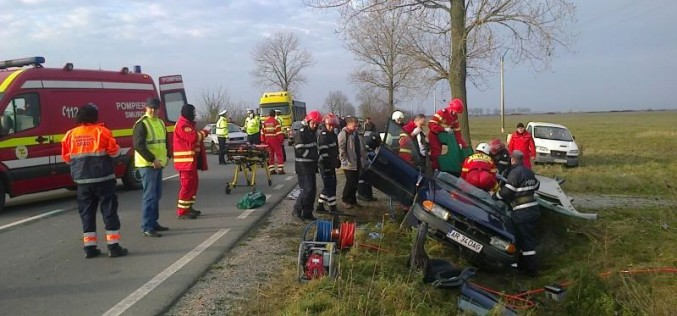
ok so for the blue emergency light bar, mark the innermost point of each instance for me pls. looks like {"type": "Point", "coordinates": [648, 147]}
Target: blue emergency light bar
{"type": "Point", "coordinates": [36, 61]}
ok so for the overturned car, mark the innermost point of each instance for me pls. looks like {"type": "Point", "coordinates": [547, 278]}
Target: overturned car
{"type": "Point", "coordinates": [457, 213]}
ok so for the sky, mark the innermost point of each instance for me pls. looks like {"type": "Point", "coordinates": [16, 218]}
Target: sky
{"type": "Point", "coordinates": [625, 56]}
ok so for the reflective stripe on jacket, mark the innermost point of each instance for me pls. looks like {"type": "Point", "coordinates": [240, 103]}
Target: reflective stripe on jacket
{"type": "Point", "coordinates": [252, 125]}
{"type": "Point", "coordinates": [89, 149]}
{"type": "Point", "coordinates": [156, 141]}
{"type": "Point", "coordinates": [305, 151]}
{"type": "Point", "coordinates": [480, 171]}
{"type": "Point", "coordinates": [521, 183]}
{"type": "Point", "coordinates": [272, 129]}
{"type": "Point", "coordinates": [188, 146]}
{"type": "Point", "coordinates": [327, 144]}
{"type": "Point", "coordinates": [222, 127]}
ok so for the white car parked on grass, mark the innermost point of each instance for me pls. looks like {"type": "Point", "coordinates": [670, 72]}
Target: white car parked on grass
{"type": "Point", "coordinates": [554, 143]}
{"type": "Point", "coordinates": [235, 134]}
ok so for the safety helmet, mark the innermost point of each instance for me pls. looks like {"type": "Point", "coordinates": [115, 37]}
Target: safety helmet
{"type": "Point", "coordinates": [496, 145]}
{"type": "Point", "coordinates": [314, 116]}
{"type": "Point", "coordinates": [456, 105]}
{"type": "Point", "coordinates": [222, 113]}
{"type": "Point", "coordinates": [483, 147]}
{"type": "Point", "coordinates": [250, 111]}
{"type": "Point", "coordinates": [331, 120]}
{"type": "Point", "coordinates": [397, 115]}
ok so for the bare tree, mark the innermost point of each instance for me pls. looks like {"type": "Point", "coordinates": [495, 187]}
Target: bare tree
{"type": "Point", "coordinates": [375, 40]}
{"type": "Point", "coordinates": [280, 61]}
{"type": "Point", "coordinates": [337, 102]}
{"type": "Point", "coordinates": [471, 35]}
{"type": "Point", "coordinates": [213, 101]}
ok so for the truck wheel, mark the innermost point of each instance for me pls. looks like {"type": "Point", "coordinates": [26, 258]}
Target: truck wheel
{"type": "Point", "coordinates": [2, 196]}
{"type": "Point", "coordinates": [132, 178]}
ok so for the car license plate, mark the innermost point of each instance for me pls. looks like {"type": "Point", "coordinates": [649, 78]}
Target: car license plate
{"type": "Point", "coordinates": [560, 160]}
{"type": "Point", "coordinates": [465, 241]}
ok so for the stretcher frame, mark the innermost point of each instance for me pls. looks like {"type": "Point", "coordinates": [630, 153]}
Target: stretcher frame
{"type": "Point", "coordinates": [246, 158]}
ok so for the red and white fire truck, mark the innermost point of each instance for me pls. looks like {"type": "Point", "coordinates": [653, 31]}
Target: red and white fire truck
{"type": "Point", "coordinates": [38, 105]}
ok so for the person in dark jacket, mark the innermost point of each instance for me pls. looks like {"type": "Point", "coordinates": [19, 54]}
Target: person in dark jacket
{"type": "Point", "coordinates": [150, 157]}
{"type": "Point", "coordinates": [89, 149]}
{"type": "Point", "coordinates": [369, 126]}
{"type": "Point", "coordinates": [518, 191]}
{"type": "Point", "coordinates": [500, 155]}
{"type": "Point", "coordinates": [327, 143]}
{"type": "Point", "coordinates": [307, 156]}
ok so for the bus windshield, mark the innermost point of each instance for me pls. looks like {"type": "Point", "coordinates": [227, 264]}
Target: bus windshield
{"type": "Point", "coordinates": [283, 107]}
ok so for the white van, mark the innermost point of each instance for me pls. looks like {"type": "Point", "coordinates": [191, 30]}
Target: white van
{"type": "Point", "coordinates": [554, 143]}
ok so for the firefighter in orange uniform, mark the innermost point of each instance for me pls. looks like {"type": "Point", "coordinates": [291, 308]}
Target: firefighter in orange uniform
{"type": "Point", "coordinates": [273, 137]}
{"type": "Point", "coordinates": [445, 120]}
{"type": "Point", "coordinates": [479, 169]}
{"type": "Point", "coordinates": [189, 156]}
{"type": "Point", "coordinates": [89, 149]}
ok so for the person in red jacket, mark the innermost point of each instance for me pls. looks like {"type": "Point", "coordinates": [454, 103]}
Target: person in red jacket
{"type": "Point", "coordinates": [189, 156]}
{"type": "Point", "coordinates": [273, 137]}
{"type": "Point", "coordinates": [412, 140]}
{"type": "Point", "coordinates": [521, 140]}
{"type": "Point", "coordinates": [479, 169]}
{"type": "Point", "coordinates": [445, 120]}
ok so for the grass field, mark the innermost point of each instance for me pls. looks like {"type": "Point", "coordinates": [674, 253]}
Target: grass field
{"type": "Point", "coordinates": [631, 154]}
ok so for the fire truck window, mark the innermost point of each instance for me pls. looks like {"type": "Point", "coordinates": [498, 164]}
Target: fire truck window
{"type": "Point", "coordinates": [21, 113]}
{"type": "Point", "coordinates": [173, 103]}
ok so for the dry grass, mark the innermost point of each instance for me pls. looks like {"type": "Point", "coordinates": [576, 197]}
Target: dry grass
{"type": "Point", "coordinates": [619, 157]}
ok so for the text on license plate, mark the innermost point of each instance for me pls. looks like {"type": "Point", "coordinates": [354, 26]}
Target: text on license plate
{"type": "Point", "coordinates": [560, 160]}
{"type": "Point", "coordinates": [465, 241]}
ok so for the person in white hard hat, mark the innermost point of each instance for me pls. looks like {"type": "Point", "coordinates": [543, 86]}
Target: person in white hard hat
{"type": "Point", "coordinates": [222, 135]}
{"type": "Point", "coordinates": [479, 169]}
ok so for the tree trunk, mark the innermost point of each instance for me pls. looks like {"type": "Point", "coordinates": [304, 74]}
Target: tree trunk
{"type": "Point", "coordinates": [457, 67]}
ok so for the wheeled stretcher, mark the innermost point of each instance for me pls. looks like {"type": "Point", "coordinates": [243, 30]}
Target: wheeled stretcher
{"type": "Point", "coordinates": [247, 158]}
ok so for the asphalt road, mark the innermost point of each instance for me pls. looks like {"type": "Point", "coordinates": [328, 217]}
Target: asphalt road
{"type": "Point", "coordinates": [43, 270]}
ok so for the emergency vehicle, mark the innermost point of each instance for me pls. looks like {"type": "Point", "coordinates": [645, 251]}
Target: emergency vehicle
{"type": "Point", "coordinates": [38, 106]}
{"type": "Point", "coordinates": [290, 109]}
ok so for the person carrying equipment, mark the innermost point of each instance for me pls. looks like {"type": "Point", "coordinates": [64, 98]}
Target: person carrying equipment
{"type": "Point", "coordinates": [445, 121]}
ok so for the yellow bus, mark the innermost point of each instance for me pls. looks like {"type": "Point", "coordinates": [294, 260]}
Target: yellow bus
{"type": "Point", "coordinates": [290, 109]}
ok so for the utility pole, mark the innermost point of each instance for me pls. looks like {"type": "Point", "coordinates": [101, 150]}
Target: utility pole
{"type": "Point", "coordinates": [435, 100]}
{"type": "Point", "coordinates": [502, 95]}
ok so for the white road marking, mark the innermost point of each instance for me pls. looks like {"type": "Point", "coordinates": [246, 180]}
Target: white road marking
{"type": "Point", "coordinates": [288, 178]}
{"type": "Point", "coordinates": [245, 214]}
{"type": "Point", "coordinates": [279, 186]}
{"type": "Point", "coordinates": [164, 275]}
{"type": "Point", "coordinates": [268, 196]}
{"type": "Point", "coordinates": [33, 218]}
{"type": "Point", "coordinates": [167, 178]}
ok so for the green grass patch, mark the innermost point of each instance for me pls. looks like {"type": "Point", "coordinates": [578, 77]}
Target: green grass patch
{"type": "Point", "coordinates": [623, 154]}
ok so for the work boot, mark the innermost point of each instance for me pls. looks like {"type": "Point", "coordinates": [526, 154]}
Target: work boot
{"type": "Point", "coordinates": [194, 211]}
{"type": "Point", "coordinates": [188, 215]}
{"type": "Point", "coordinates": [92, 252]}
{"type": "Point", "coordinates": [272, 172]}
{"type": "Point", "coordinates": [320, 208]}
{"type": "Point", "coordinates": [115, 251]}
{"type": "Point", "coordinates": [281, 172]}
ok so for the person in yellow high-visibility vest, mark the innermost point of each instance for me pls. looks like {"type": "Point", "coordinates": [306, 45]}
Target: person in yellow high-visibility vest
{"type": "Point", "coordinates": [252, 126]}
{"type": "Point", "coordinates": [150, 157]}
{"type": "Point", "coordinates": [222, 135]}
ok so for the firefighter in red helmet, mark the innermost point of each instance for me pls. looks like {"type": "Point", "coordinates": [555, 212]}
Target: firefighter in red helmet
{"type": "Point", "coordinates": [307, 155]}
{"type": "Point", "coordinates": [445, 120]}
{"type": "Point", "coordinates": [500, 155]}
{"type": "Point", "coordinates": [327, 144]}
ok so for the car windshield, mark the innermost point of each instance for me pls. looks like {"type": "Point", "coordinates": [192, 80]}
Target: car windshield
{"type": "Point", "coordinates": [232, 128]}
{"type": "Point", "coordinates": [552, 133]}
{"type": "Point", "coordinates": [283, 107]}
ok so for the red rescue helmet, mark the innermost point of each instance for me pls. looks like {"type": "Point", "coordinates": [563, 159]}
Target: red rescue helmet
{"type": "Point", "coordinates": [496, 145]}
{"type": "Point", "coordinates": [331, 120]}
{"type": "Point", "coordinates": [314, 116]}
{"type": "Point", "coordinates": [456, 105]}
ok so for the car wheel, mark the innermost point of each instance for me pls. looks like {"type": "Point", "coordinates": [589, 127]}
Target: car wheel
{"type": "Point", "coordinates": [214, 148]}
{"type": "Point", "coordinates": [132, 177]}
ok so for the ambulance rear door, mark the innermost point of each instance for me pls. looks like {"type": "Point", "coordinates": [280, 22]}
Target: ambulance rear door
{"type": "Point", "coordinates": [173, 96]}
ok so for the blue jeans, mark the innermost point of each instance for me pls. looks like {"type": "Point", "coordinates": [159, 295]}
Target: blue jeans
{"type": "Point", "coordinates": [151, 179]}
